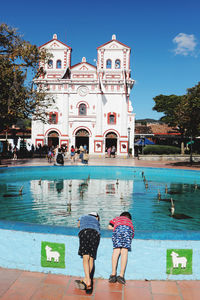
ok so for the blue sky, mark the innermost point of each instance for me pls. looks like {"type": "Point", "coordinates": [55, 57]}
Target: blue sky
{"type": "Point", "coordinates": [163, 35]}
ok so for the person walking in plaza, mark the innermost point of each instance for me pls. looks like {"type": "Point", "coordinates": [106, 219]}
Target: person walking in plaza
{"type": "Point", "coordinates": [72, 153]}
{"type": "Point", "coordinates": [59, 158]}
{"type": "Point", "coordinates": [77, 152]}
{"type": "Point", "coordinates": [109, 151]}
{"type": "Point", "coordinates": [113, 150]}
{"type": "Point", "coordinates": [89, 238]}
{"type": "Point", "coordinates": [85, 158]}
{"type": "Point", "coordinates": [81, 149]}
{"type": "Point", "coordinates": [123, 233]}
{"type": "Point", "coordinates": [50, 155]}
{"type": "Point", "coordinates": [15, 153]}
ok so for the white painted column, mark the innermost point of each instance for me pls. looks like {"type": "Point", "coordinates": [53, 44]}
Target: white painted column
{"type": "Point", "coordinates": [124, 122]}
{"type": "Point", "coordinates": [65, 114]}
{"type": "Point", "coordinates": [132, 131]}
{"type": "Point", "coordinates": [99, 115]}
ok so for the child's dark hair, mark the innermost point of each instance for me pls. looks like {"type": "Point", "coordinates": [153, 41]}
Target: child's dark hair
{"type": "Point", "coordinates": [126, 214]}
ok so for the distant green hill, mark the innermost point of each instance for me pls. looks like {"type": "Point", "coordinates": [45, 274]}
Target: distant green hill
{"type": "Point", "coordinates": [147, 121]}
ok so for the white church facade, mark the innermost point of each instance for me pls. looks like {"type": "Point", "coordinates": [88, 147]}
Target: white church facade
{"type": "Point", "coordinates": [92, 105]}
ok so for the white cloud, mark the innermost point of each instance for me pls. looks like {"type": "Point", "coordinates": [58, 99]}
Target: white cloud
{"type": "Point", "coordinates": [185, 44]}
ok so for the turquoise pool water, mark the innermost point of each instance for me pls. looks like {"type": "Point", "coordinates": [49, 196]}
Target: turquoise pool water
{"type": "Point", "coordinates": [59, 195]}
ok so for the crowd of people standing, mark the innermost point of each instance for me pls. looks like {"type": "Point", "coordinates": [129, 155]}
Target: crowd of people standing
{"type": "Point", "coordinates": [73, 153]}
{"type": "Point", "coordinates": [59, 154]}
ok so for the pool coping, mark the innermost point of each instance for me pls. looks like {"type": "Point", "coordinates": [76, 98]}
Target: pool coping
{"type": "Point", "coordinates": [70, 231]}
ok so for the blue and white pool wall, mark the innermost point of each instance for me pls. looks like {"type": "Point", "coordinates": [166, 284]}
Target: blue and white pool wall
{"type": "Point", "coordinates": [22, 250]}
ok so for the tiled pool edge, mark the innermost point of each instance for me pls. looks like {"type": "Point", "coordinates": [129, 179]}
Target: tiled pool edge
{"type": "Point", "coordinates": [147, 260]}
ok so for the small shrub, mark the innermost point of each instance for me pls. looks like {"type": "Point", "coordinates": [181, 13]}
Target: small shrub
{"type": "Point", "coordinates": [161, 149]}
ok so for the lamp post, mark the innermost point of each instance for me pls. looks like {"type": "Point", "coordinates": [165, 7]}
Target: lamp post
{"type": "Point", "coordinates": [129, 130]}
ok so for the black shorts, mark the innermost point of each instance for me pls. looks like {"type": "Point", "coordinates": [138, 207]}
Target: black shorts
{"type": "Point", "coordinates": [88, 242]}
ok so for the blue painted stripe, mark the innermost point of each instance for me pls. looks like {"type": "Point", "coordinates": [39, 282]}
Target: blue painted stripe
{"type": "Point", "coordinates": [63, 230]}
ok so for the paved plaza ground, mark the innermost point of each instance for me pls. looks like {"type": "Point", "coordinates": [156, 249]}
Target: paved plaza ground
{"type": "Point", "coordinates": [23, 285]}
{"type": "Point", "coordinates": [98, 161]}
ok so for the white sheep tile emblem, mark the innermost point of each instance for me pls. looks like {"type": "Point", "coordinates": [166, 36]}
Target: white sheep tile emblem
{"type": "Point", "coordinates": [52, 254]}
{"type": "Point", "coordinates": [176, 260]}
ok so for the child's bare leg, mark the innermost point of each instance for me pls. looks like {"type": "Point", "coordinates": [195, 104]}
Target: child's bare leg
{"type": "Point", "coordinates": [124, 258]}
{"type": "Point", "coordinates": [115, 257]}
{"type": "Point", "coordinates": [86, 267]}
{"type": "Point", "coordinates": [91, 263]}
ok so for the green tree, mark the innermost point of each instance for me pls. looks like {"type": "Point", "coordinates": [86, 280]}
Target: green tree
{"type": "Point", "coordinates": [170, 107]}
{"type": "Point", "coordinates": [191, 118]}
{"type": "Point", "coordinates": [19, 60]}
{"type": "Point", "coordinates": [182, 112]}
{"type": "Point", "coordinates": [191, 106]}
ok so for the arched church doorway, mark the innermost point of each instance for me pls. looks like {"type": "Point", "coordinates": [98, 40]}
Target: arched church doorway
{"type": "Point", "coordinates": [53, 139]}
{"type": "Point", "coordinates": [82, 138]}
{"type": "Point", "coordinates": [111, 140]}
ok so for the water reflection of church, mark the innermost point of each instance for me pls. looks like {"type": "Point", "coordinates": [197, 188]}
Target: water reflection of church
{"type": "Point", "coordinates": [52, 199]}
{"type": "Point", "coordinates": [92, 104]}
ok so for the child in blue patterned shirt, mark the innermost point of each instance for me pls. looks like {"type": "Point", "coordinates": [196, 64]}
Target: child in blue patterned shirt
{"type": "Point", "coordinates": [89, 238]}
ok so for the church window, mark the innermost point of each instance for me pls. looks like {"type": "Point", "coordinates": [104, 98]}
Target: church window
{"type": "Point", "coordinates": [58, 64]}
{"type": "Point", "coordinates": [108, 64]}
{"type": "Point", "coordinates": [112, 118]}
{"type": "Point", "coordinates": [82, 109]}
{"type": "Point", "coordinates": [53, 118]}
{"type": "Point", "coordinates": [117, 64]}
{"type": "Point", "coordinates": [50, 64]}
